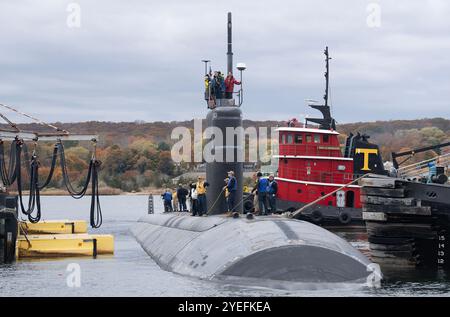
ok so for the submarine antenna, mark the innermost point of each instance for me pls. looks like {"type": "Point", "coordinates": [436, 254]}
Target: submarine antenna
{"type": "Point", "coordinates": [206, 61]}
{"type": "Point", "coordinates": [229, 52]}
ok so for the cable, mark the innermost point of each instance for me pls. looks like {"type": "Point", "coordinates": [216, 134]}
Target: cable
{"type": "Point", "coordinates": [217, 199]}
{"type": "Point", "coordinates": [33, 118]}
{"type": "Point", "coordinates": [34, 201]}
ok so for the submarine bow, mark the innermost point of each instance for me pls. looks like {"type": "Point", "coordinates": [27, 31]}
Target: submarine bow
{"type": "Point", "coordinates": [272, 248]}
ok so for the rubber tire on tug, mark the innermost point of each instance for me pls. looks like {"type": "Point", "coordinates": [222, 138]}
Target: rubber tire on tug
{"type": "Point", "coordinates": [316, 216]}
{"type": "Point", "coordinates": [345, 218]}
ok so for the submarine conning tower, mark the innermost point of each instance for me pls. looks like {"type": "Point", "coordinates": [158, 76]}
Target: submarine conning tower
{"type": "Point", "coordinates": [225, 115]}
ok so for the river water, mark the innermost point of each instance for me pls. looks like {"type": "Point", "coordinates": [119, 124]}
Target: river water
{"type": "Point", "coordinates": [131, 272]}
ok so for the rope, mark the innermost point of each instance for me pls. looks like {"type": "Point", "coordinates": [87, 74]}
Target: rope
{"type": "Point", "coordinates": [217, 199]}
{"type": "Point", "coordinates": [33, 118]}
{"type": "Point", "coordinates": [299, 211]}
{"type": "Point", "coordinates": [25, 232]}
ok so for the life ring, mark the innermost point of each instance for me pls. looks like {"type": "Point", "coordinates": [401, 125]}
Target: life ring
{"type": "Point", "coordinates": [345, 218]}
{"type": "Point", "coordinates": [316, 216]}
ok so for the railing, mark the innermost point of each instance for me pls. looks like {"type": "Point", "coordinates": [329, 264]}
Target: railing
{"type": "Point", "coordinates": [310, 175]}
{"type": "Point", "coordinates": [214, 102]}
{"type": "Point", "coordinates": [310, 150]}
{"type": "Point", "coordinates": [420, 169]}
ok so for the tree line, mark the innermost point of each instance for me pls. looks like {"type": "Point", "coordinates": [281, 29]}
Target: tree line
{"type": "Point", "coordinates": [136, 155]}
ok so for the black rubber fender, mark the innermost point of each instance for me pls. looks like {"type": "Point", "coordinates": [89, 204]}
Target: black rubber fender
{"type": "Point", "coordinates": [316, 216]}
{"type": "Point", "coordinates": [345, 218]}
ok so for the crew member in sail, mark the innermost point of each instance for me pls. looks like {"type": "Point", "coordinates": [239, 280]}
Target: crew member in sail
{"type": "Point", "coordinates": [230, 81]}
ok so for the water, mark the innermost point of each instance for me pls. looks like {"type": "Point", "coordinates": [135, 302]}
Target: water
{"type": "Point", "coordinates": [131, 272]}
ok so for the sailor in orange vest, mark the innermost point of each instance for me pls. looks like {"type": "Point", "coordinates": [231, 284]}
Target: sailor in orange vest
{"type": "Point", "coordinates": [200, 187]}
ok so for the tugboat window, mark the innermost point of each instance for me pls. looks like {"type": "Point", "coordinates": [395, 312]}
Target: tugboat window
{"type": "Point", "coordinates": [298, 138]}
{"type": "Point", "coordinates": [283, 139]}
{"type": "Point", "coordinates": [308, 138]}
{"type": "Point", "coordinates": [316, 138]}
{"type": "Point", "coordinates": [325, 138]}
{"type": "Point", "coordinates": [289, 139]}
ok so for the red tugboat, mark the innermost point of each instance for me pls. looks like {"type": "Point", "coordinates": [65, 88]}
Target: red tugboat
{"type": "Point", "coordinates": [311, 164]}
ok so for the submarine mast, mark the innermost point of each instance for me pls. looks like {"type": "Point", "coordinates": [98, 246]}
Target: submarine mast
{"type": "Point", "coordinates": [230, 41]}
{"type": "Point", "coordinates": [223, 117]}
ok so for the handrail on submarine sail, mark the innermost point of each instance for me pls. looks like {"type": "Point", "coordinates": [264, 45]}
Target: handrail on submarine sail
{"type": "Point", "coordinates": [299, 211]}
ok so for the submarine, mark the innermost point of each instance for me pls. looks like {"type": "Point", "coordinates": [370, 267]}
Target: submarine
{"type": "Point", "coordinates": [274, 251]}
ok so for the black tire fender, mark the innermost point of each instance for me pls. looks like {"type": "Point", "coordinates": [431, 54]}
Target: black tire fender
{"type": "Point", "coordinates": [316, 216]}
{"type": "Point", "coordinates": [345, 217]}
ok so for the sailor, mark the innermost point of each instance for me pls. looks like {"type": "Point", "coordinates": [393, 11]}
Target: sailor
{"type": "Point", "coordinates": [181, 194]}
{"type": "Point", "coordinates": [231, 187]}
{"type": "Point", "coordinates": [193, 199]}
{"type": "Point", "coordinates": [200, 186]}
{"type": "Point", "coordinates": [272, 192]}
{"type": "Point", "coordinates": [255, 196]}
{"type": "Point", "coordinates": [175, 201]}
{"type": "Point", "coordinates": [261, 187]}
{"type": "Point", "coordinates": [219, 86]}
{"type": "Point", "coordinates": [226, 192]}
{"type": "Point", "coordinates": [292, 122]}
{"type": "Point", "coordinates": [230, 81]}
{"type": "Point", "coordinates": [207, 87]}
{"type": "Point", "coordinates": [167, 198]}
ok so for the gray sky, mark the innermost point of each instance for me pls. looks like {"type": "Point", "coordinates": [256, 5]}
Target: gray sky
{"type": "Point", "coordinates": [140, 60]}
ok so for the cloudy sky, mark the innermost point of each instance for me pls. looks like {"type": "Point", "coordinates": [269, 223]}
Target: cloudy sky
{"type": "Point", "coordinates": [141, 60]}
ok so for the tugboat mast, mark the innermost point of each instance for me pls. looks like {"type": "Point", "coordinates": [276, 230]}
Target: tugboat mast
{"type": "Point", "coordinates": [327, 71]}
{"type": "Point", "coordinates": [327, 122]}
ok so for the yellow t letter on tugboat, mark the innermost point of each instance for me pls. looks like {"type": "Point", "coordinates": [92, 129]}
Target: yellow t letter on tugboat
{"type": "Point", "coordinates": [366, 153]}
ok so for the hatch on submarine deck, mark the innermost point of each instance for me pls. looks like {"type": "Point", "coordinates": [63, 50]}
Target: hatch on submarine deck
{"type": "Point", "coordinates": [270, 248]}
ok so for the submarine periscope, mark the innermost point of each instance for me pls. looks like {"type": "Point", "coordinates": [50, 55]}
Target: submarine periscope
{"type": "Point", "coordinates": [256, 250]}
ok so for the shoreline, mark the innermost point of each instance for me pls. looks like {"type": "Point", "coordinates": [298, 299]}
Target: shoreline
{"type": "Point", "coordinates": [102, 192]}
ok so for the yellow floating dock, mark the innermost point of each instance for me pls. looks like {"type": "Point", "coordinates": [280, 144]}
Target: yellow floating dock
{"type": "Point", "coordinates": [54, 227]}
{"type": "Point", "coordinates": [61, 238]}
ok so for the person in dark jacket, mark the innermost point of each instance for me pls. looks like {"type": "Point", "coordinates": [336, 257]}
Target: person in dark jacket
{"type": "Point", "coordinates": [261, 187]}
{"type": "Point", "coordinates": [182, 194]}
{"type": "Point", "coordinates": [167, 198]}
{"type": "Point", "coordinates": [219, 86]}
{"type": "Point", "coordinates": [272, 190]}
{"type": "Point", "coordinates": [230, 81]}
{"type": "Point", "coordinates": [231, 188]}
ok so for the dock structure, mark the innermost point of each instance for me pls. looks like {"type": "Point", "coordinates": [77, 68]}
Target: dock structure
{"type": "Point", "coordinates": [60, 238]}
{"type": "Point", "coordinates": [37, 238]}
{"type": "Point", "coordinates": [407, 222]}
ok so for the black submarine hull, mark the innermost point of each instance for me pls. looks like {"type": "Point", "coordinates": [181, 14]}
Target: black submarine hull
{"type": "Point", "coordinates": [265, 250]}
